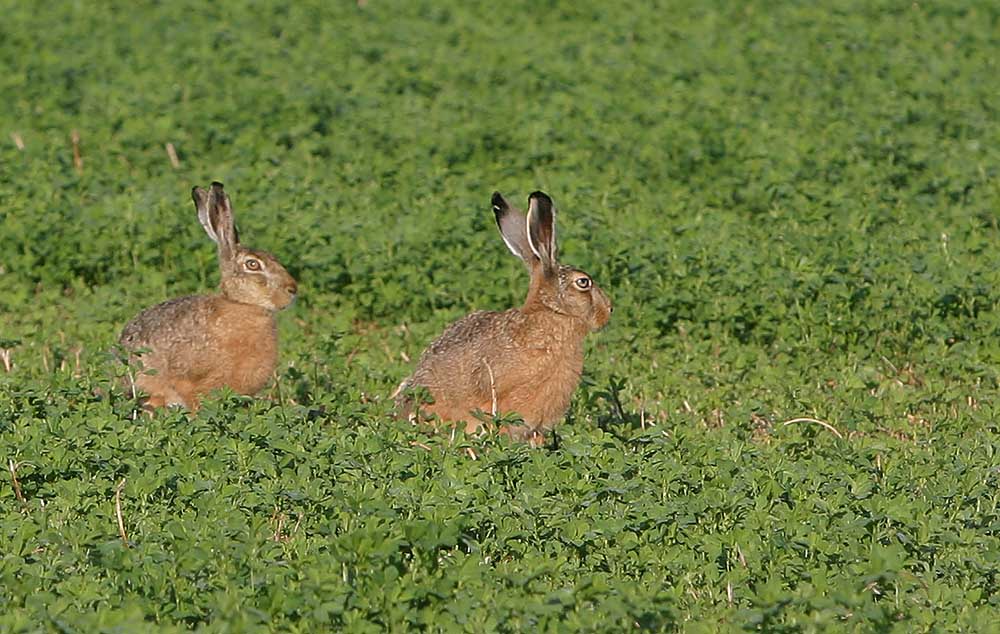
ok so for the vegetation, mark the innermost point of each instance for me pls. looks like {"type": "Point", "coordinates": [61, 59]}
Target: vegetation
{"type": "Point", "coordinates": [793, 207]}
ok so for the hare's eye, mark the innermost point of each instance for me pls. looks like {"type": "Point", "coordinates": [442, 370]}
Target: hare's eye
{"type": "Point", "coordinates": [583, 283]}
{"type": "Point", "coordinates": [252, 264]}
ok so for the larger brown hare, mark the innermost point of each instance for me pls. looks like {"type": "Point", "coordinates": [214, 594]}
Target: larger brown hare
{"type": "Point", "coordinates": [229, 339]}
{"type": "Point", "coordinates": [524, 360]}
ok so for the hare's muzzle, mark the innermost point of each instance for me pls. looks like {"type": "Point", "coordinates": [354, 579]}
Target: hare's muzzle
{"type": "Point", "coordinates": [602, 310]}
{"type": "Point", "coordinates": [283, 289]}
{"type": "Point", "coordinates": [291, 290]}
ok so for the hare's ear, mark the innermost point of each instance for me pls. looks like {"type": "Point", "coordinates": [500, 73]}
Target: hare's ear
{"type": "Point", "coordinates": [541, 226]}
{"type": "Point", "coordinates": [512, 226]}
{"type": "Point", "coordinates": [215, 213]}
{"type": "Point", "coordinates": [200, 198]}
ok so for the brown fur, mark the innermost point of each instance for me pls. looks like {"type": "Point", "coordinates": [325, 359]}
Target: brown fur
{"type": "Point", "coordinates": [200, 343]}
{"type": "Point", "coordinates": [525, 360]}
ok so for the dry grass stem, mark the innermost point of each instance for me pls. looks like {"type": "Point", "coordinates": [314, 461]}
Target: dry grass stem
{"type": "Point", "coordinates": [472, 454]}
{"type": "Point", "coordinates": [493, 389]}
{"type": "Point", "coordinates": [818, 422]}
{"type": "Point", "coordinates": [172, 155]}
{"type": "Point", "coordinates": [278, 519]}
{"type": "Point", "coordinates": [414, 443]}
{"type": "Point", "coordinates": [718, 419]}
{"type": "Point", "coordinates": [399, 389]}
{"type": "Point", "coordinates": [276, 389]}
{"type": "Point", "coordinates": [132, 390]}
{"type": "Point", "coordinates": [18, 141]}
{"type": "Point", "coordinates": [5, 357]}
{"type": "Point", "coordinates": [118, 512]}
{"type": "Point", "coordinates": [12, 466]}
{"type": "Point", "coordinates": [77, 157]}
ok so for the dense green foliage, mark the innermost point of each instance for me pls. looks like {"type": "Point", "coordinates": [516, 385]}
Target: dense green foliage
{"type": "Point", "coordinates": [794, 208]}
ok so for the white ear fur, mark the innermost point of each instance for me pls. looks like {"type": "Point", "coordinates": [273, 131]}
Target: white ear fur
{"type": "Point", "coordinates": [540, 226]}
{"type": "Point", "coordinates": [527, 230]}
{"type": "Point", "coordinates": [207, 226]}
{"type": "Point", "coordinates": [222, 220]}
{"type": "Point", "coordinates": [511, 224]}
{"type": "Point", "coordinates": [511, 247]}
{"type": "Point", "coordinates": [200, 197]}
{"type": "Point", "coordinates": [215, 213]}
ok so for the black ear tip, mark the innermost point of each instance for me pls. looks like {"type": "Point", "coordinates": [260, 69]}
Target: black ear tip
{"type": "Point", "coordinates": [498, 201]}
{"type": "Point", "coordinates": [541, 196]}
{"type": "Point", "coordinates": [216, 185]}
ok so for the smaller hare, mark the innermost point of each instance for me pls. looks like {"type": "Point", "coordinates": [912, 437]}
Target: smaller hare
{"type": "Point", "coordinates": [525, 360]}
{"type": "Point", "coordinates": [199, 343]}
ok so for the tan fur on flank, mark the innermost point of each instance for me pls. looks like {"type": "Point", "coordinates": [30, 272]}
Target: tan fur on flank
{"type": "Point", "coordinates": [200, 343]}
{"type": "Point", "coordinates": [525, 360]}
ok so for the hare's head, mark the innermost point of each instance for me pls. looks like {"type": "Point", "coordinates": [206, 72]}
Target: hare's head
{"type": "Point", "coordinates": [559, 288]}
{"type": "Point", "coordinates": [249, 276]}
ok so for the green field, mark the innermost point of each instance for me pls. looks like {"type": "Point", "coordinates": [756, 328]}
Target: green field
{"type": "Point", "coordinates": [793, 206]}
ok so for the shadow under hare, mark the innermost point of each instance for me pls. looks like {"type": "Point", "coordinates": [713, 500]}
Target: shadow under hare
{"type": "Point", "coordinates": [199, 343]}
{"type": "Point", "coordinates": [525, 360]}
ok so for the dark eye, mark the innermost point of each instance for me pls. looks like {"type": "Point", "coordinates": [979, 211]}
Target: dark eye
{"type": "Point", "coordinates": [583, 283]}
{"type": "Point", "coordinates": [252, 264]}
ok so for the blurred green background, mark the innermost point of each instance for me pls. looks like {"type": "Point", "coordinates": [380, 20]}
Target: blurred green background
{"type": "Point", "coordinates": [792, 205]}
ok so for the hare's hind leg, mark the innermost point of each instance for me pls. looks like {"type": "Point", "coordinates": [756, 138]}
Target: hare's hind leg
{"type": "Point", "coordinates": [184, 394]}
{"type": "Point", "coordinates": [449, 414]}
{"type": "Point", "coordinates": [153, 402]}
{"type": "Point", "coordinates": [163, 393]}
{"type": "Point", "coordinates": [523, 433]}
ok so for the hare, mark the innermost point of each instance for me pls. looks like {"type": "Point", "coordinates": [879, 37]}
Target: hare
{"type": "Point", "coordinates": [199, 343]}
{"type": "Point", "coordinates": [525, 360]}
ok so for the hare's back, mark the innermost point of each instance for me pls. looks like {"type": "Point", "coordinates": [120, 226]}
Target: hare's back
{"type": "Point", "coordinates": [450, 366]}
{"type": "Point", "coordinates": [174, 320]}
{"type": "Point", "coordinates": [476, 334]}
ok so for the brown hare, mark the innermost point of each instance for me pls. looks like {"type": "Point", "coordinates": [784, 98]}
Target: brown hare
{"type": "Point", "coordinates": [200, 343]}
{"type": "Point", "coordinates": [525, 360]}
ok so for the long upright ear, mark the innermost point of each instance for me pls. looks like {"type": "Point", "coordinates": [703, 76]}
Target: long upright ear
{"type": "Point", "coordinates": [200, 198]}
{"type": "Point", "coordinates": [541, 225]}
{"type": "Point", "coordinates": [512, 226]}
{"type": "Point", "coordinates": [215, 213]}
